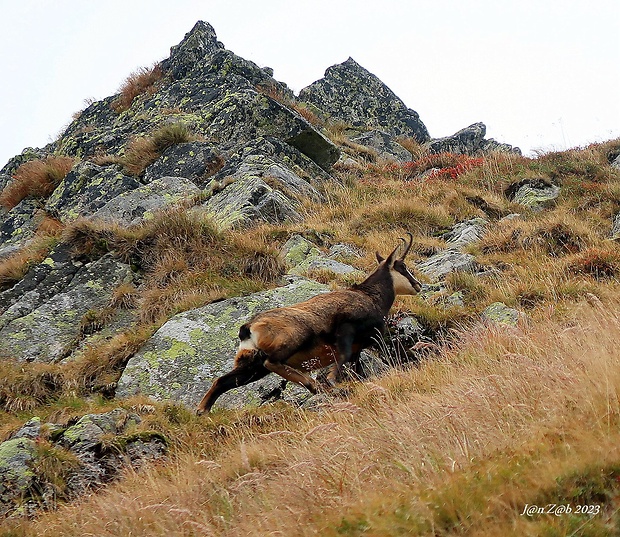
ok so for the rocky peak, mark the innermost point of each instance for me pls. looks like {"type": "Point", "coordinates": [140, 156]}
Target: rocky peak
{"type": "Point", "coordinates": [350, 93]}
{"type": "Point", "coordinates": [200, 42]}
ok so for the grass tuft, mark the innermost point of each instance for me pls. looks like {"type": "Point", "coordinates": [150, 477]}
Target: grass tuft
{"type": "Point", "coordinates": [601, 263]}
{"type": "Point", "coordinates": [36, 178]}
{"type": "Point", "coordinates": [142, 151]}
{"type": "Point", "coordinates": [142, 81]}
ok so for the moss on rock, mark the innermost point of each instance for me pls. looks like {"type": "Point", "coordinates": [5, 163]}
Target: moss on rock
{"type": "Point", "coordinates": [193, 348]}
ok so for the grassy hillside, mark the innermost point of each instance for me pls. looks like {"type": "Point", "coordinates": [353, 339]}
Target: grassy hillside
{"type": "Point", "coordinates": [491, 420]}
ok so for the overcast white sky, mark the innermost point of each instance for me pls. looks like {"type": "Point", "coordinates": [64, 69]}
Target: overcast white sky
{"type": "Point", "coordinates": [541, 74]}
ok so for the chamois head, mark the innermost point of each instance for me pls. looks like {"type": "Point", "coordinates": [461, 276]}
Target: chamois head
{"type": "Point", "coordinates": [403, 281]}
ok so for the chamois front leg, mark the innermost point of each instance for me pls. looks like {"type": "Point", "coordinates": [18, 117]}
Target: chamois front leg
{"type": "Point", "coordinates": [344, 346]}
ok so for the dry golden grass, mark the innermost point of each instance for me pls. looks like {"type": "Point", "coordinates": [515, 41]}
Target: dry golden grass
{"type": "Point", "coordinates": [24, 388]}
{"type": "Point", "coordinates": [37, 178]}
{"type": "Point", "coordinates": [459, 445]}
{"type": "Point", "coordinates": [142, 81]}
{"type": "Point", "coordinates": [187, 261]}
{"type": "Point", "coordinates": [555, 233]}
{"type": "Point", "coordinates": [100, 364]}
{"type": "Point", "coordinates": [15, 267]}
{"type": "Point", "coordinates": [142, 151]}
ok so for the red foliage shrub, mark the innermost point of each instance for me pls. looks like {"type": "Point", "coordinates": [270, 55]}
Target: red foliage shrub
{"type": "Point", "coordinates": [439, 166]}
{"type": "Point", "coordinates": [600, 263]}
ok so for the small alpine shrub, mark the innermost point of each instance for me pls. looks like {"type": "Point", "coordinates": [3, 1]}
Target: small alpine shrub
{"type": "Point", "coordinates": [437, 166]}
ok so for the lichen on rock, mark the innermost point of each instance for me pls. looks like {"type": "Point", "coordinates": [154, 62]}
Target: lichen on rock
{"type": "Point", "coordinates": [86, 189]}
{"type": "Point", "coordinates": [187, 353]}
{"type": "Point", "coordinates": [17, 456]}
{"type": "Point", "coordinates": [350, 93]}
{"type": "Point", "coordinates": [48, 332]}
{"type": "Point", "coordinates": [133, 207]}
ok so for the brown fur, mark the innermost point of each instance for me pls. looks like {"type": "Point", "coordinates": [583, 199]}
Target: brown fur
{"type": "Point", "coordinates": [327, 330]}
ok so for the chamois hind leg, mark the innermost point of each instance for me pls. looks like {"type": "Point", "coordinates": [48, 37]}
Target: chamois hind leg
{"type": "Point", "coordinates": [289, 373]}
{"type": "Point", "coordinates": [239, 376]}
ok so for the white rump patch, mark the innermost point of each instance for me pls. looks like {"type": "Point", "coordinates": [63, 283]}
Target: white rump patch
{"type": "Point", "coordinates": [247, 345]}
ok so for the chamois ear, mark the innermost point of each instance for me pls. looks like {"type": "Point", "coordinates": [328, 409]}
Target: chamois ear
{"type": "Point", "coordinates": [379, 258]}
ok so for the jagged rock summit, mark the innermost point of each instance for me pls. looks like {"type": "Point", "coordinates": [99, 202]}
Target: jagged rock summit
{"type": "Point", "coordinates": [350, 93]}
{"type": "Point", "coordinates": [213, 91]}
{"type": "Point", "coordinates": [470, 141]}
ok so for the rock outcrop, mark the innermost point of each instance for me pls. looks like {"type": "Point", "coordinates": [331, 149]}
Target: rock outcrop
{"type": "Point", "coordinates": [88, 453]}
{"type": "Point", "coordinates": [47, 330]}
{"type": "Point", "coordinates": [185, 356]}
{"type": "Point", "coordinates": [534, 193]}
{"type": "Point", "coordinates": [86, 189]}
{"type": "Point", "coordinates": [351, 94]}
{"type": "Point", "coordinates": [384, 144]}
{"type": "Point", "coordinates": [470, 141]}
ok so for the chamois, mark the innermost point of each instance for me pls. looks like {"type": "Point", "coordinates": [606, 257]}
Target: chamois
{"type": "Point", "coordinates": [329, 329]}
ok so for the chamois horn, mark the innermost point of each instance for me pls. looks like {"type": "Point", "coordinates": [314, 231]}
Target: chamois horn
{"type": "Point", "coordinates": [408, 246]}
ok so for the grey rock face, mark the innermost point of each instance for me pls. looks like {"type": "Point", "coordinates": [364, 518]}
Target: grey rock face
{"type": "Point", "coordinates": [302, 257]}
{"type": "Point", "coordinates": [99, 465]}
{"type": "Point", "coordinates": [259, 187]}
{"type": "Point", "coordinates": [350, 93]}
{"type": "Point", "coordinates": [248, 200]}
{"type": "Point", "coordinates": [200, 42]}
{"type": "Point", "coordinates": [615, 230]}
{"type": "Point", "coordinates": [40, 284]}
{"type": "Point", "coordinates": [46, 333]}
{"type": "Point", "coordinates": [385, 146]}
{"type": "Point", "coordinates": [499, 313]}
{"type": "Point", "coordinates": [297, 249]}
{"type": "Point", "coordinates": [321, 263]}
{"type": "Point", "coordinates": [465, 233]}
{"type": "Point", "coordinates": [192, 160]}
{"type": "Point", "coordinates": [90, 429]}
{"type": "Point", "coordinates": [102, 445]}
{"type": "Point", "coordinates": [16, 475]}
{"type": "Point", "coordinates": [185, 356]}
{"type": "Point", "coordinates": [28, 154]}
{"type": "Point", "coordinates": [18, 225]}
{"type": "Point", "coordinates": [260, 154]}
{"type": "Point", "coordinates": [242, 115]}
{"type": "Point", "coordinates": [446, 261]}
{"type": "Point", "coordinates": [86, 189]}
{"type": "Point", "coordinates": [470, 141]}
{"type": "Point", "coordinates": [131, 208]}
{"type": "Point", "coordinates": [31, 429]}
